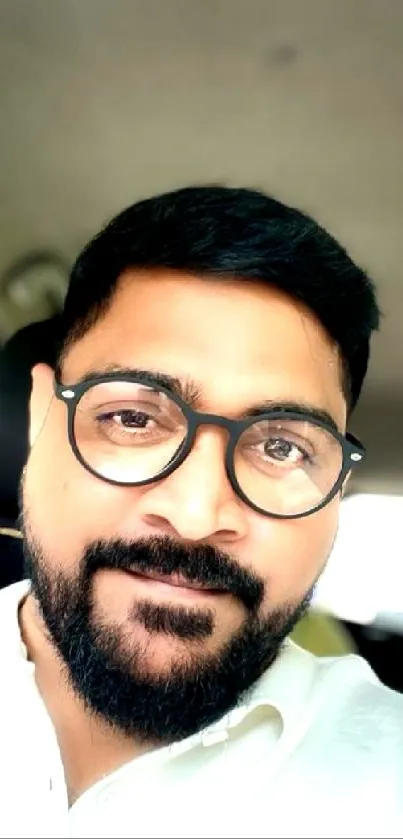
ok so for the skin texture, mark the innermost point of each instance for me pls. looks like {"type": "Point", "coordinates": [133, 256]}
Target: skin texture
{"type": "Point", "coordinates": [241, 344]}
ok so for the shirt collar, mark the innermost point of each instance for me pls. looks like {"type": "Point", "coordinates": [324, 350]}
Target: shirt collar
{"type": "Point", "coordinates": [283, 687]}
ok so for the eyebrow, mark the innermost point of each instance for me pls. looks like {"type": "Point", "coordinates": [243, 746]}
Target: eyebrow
{"type": "Point", "coordinates": [191, 393]}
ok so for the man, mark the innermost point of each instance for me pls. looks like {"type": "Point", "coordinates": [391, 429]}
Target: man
{"type": "Point", "coordinates": [180, 500]}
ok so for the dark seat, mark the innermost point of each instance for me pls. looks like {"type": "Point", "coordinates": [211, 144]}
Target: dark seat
{"type": "Point", "coordinates": [11, 556]}
{"type": "Point", "coordinates": [32, 344]}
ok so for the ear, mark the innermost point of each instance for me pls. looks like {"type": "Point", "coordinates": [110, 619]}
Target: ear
{"type": "Point", "coordinates": [42, 393]}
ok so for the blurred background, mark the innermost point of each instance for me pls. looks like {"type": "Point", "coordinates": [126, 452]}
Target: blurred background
{"type": "Point", "coordinates": [103, 102]}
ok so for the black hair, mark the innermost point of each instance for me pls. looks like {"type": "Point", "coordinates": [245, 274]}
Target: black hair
{"type": "Point", "coordinates": [223, 232]}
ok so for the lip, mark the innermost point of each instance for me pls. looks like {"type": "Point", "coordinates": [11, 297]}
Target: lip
{"type": "Point", "coordinates": [172, 584]}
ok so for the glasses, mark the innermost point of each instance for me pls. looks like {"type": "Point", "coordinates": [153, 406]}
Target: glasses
{"type": "Point", "coordinates": [283, 464]}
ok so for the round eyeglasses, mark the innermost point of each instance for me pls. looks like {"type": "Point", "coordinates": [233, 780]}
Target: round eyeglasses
{"type": "Point", "coordinates": [283, 464]}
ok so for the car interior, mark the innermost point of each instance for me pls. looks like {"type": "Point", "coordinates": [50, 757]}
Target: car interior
{"type": "Point", "coordinates": [300, 100]}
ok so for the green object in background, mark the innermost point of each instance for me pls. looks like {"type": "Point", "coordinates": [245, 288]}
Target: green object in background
{"type": "Point", "coordinates": [323, 635]}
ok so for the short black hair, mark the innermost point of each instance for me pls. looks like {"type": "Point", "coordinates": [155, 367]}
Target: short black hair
{"type": "Point", "coordinates": [224, 232]}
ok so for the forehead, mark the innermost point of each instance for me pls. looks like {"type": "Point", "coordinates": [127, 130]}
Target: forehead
{"type": "Point", "coordinates": [238, 341]}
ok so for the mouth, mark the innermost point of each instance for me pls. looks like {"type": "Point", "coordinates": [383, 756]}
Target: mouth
{"type": "Point", "coordinates": [173, 584]}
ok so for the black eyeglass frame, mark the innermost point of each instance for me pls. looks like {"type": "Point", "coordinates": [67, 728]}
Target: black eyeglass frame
{"type": "Point", "coordinates": [353, 451]}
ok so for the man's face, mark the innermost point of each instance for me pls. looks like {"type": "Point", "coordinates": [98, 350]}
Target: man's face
{"type": "Point", "coordinates": [126, 640]}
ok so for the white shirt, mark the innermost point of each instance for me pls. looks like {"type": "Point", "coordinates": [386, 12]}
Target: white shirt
{"type": "Point", "coordinates": [314, 750]}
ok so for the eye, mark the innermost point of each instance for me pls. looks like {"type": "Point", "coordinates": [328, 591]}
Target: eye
{"type": "Point", "coordinates": [131, 422]}
{"type": "Point", "coordinates": [128, 419]}
{"type": "Point", "coordinates": [135, 424]}
{"type": "Point", "coordinates": [284, 451]}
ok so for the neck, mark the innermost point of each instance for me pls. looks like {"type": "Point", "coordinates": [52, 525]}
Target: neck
{"type": "Point", "coordinates": [89, 747]}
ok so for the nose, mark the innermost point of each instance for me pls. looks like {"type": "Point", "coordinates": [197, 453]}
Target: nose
{"type": "Point", "coordinates": [196, 501]}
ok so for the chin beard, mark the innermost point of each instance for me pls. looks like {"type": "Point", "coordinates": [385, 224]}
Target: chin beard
{"type": "Point", "coordinates": [109, 672]}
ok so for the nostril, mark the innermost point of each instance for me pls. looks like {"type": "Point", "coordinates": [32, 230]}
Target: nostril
{"type": "Point", "coordinates": [160, 523]}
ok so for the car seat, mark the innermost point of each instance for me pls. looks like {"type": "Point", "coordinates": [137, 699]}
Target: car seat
{"type": "Point", "coordinates": [33, 344]}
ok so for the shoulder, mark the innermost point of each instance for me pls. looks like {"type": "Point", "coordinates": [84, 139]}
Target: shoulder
{"type": "Point", "coordinates": [347, 681]}
{"type": "Point", "coordinates": [352, 711]}
{"type": "Point", "coordinates": [347, 747]}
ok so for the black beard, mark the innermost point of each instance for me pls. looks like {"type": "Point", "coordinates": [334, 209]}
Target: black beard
{"type": "Point", "coordinates": [112, 680]}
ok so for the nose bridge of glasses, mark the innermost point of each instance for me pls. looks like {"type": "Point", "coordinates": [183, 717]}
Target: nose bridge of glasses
{"type": "Point", "coordinates": [217, 420]}
{"type": "Point", "coordinates": [231, 427]}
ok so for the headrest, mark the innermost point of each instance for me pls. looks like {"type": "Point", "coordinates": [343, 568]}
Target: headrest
{"type": "Point", "coordinates": [33, 344]}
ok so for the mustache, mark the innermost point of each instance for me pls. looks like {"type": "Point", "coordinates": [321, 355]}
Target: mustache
{"type": "Point", "coordinates": [198, 564]}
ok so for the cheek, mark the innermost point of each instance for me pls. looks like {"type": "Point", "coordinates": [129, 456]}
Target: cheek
{"type": "Point", "coordinates": [292, 554]}
{"type": "Point", "coordinates": [67, 506]}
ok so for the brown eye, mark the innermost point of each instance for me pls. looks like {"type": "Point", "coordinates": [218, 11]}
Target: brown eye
{"type": "Point", "coordinates": [283, 451]}
{"type": "Point", "coordinates": [127, 419]}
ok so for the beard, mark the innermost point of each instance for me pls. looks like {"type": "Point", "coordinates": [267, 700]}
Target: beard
{"type": "Point", "coordinates": [107, 668]}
